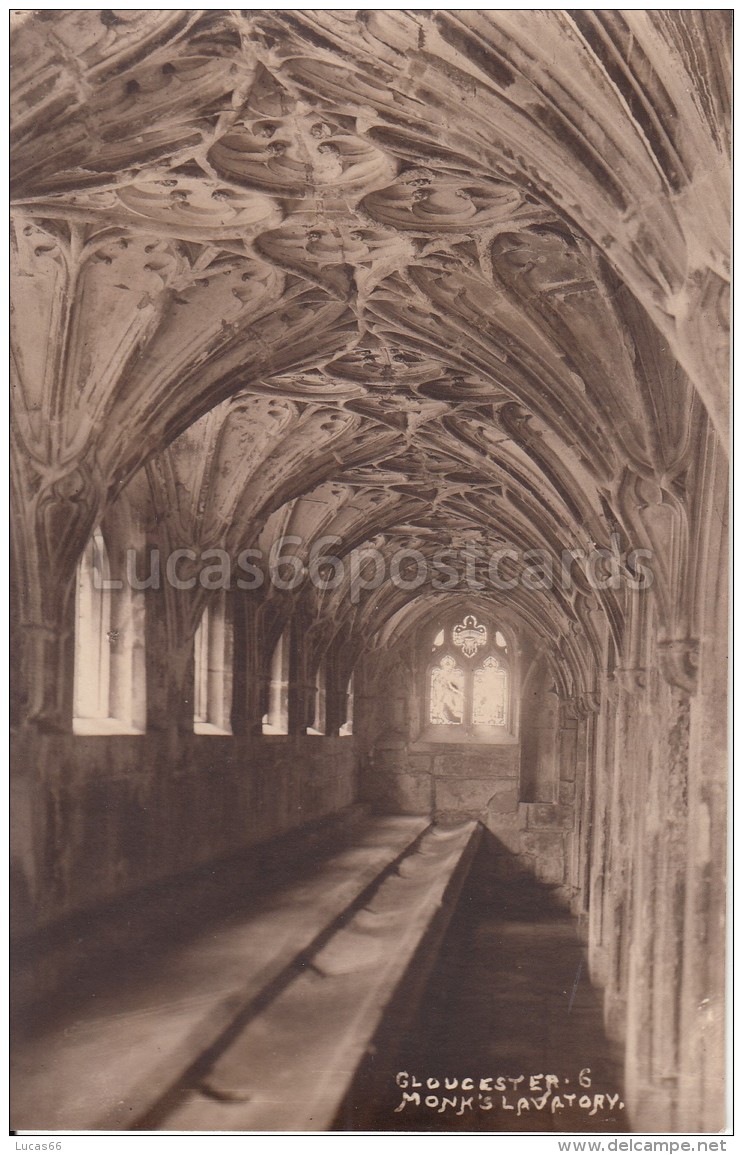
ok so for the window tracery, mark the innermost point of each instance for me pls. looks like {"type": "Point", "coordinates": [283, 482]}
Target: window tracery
{"type": "Point", "coordinates": [469, 684]}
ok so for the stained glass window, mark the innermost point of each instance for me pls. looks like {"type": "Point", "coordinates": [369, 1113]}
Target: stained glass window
{"type": "Point", "coordinates": [489, 694]}
{"type": "Point", "coordinates": [447, 693]}
{"type": "Point", "coordinates": [469, 684]}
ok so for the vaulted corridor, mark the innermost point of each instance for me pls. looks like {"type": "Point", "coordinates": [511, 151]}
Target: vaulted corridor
{"type": "Point", "coordinates": [369, 556]}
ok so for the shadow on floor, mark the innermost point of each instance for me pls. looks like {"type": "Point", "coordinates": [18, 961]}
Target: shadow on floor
{"type": "Point", "coordinates": [91, 953]}
{"type": "Point", "coordinates": [509, 1003]}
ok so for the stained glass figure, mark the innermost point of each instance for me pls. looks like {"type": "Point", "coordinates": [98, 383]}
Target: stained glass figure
{"type": "Point", "coordinates": [447, 693]}
{"type": "Point", "coordinates": [489, 694]}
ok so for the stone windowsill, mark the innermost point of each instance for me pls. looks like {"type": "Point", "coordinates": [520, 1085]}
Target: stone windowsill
{"type": "Point", "coordinates": [427, 744]}
{"type": "Point", "coordinates": [86, 727]}
{"type": "Point", "coordinates": [211, 729]}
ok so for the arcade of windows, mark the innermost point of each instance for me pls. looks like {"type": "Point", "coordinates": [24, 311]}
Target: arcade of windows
{"type": "Point", "coordinates": [109, 676]}
{"type": "Point", "coordinates": [469, 685]}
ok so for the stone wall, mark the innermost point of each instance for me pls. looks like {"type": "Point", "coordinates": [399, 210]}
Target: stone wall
{"type": "Point", "coordinates": [450, 781]}
{"type": "Point", "coordinates": [97, 818]}
{"type": "Point", "coordinates": [453, 782]}
{"type": "Point", "coordinates": [522, 789]}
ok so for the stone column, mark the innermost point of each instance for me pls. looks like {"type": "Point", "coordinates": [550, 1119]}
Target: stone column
{"type": "Point", "coordinates": [654, 1042]}
{"type": "Point", "coordinates": [301, 686]}
{"type": "Point", "coordinates": [701, 1067]}
{"type": "Point", "coordinates": [702, 1002]}
{"type": "Point", "coordinates": [603, 774]}
{"type": "Point", "coordinates": [51, 521]}
{"type": "Point", "coordinates": [171, 619]}
{"type": "Point", "coordinates": [620, 893]}
{"type": "Point", "coordinates": [336, 695]}
{"type": "Point", "coordinates": [578, 794]}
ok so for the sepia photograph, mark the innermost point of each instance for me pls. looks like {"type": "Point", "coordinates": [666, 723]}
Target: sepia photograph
{"type": "Point", "coordinates": [370, 380]}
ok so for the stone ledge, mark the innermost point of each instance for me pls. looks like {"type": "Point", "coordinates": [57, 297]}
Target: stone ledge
{"type": "Point", "coordinates": [337, 1004]}
{"type": "Point", "coordinates": [105, 1063]}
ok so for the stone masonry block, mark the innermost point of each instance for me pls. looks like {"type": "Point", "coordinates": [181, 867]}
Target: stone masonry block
{"type": "Point", "coordinates": [468, 796]}
{"type": "Point", "coordinates": [407, 793]}
{"type": "Point", "coordinates": [495, 762]}
{"type": "Point", "coordinates": [547, 815]}
{"type": "Point", "coordinates": [504, 798]}
{"type": "Point", "coordinates": [566, 793]}
{"type": "Point", "coordinates": [542, 842]}
{"type": "Point", "coordinates": [421, 763]}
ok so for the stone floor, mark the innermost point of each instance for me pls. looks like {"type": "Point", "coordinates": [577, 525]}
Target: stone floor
{"type": "Point", "coordinates": [510, 997]}
{"type": "Point", "coordinates": [113, 1044]}
{"type": "Point", "coordinates": [507, 1004]}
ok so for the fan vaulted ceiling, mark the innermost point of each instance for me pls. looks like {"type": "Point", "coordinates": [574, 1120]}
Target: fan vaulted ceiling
{"type": "Point", "coordinates": [417, 278]}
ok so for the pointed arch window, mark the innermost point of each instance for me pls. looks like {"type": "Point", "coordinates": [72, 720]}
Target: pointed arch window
{"type": "Point", "coordinates": [108, 694]}
{"type": "Point", "coordinates": [346, 729]}
{"type": "Point", "coordinates": [276, 719]}
{"type": "Point", "coordinates": [92, 633]}
{"type": "Point", "coordinates": [320, 711]}
{"type": "Point", "coordinates": [469, 684]}
{"type": "Point", "coordinates": [213, 669]}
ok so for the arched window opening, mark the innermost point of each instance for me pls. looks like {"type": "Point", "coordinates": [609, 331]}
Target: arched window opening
{"type": "Point", "coordinates": [319, 721]}
{"type": "Point", "coordinates": [489, 684]}
{"type": "Point", "coordinates": [468, 682]}
{"type": "Point", "coordinates": [346, 729]}
{"type": "Point", "coordinates": [213, 669]}
{"type": "Point", "coordinates": [92, 632]}
{"type": "Point", "coordinates": [276, 720]}
{"type": "Point", "coordinates": [201, 671]}
{"type": "Point", "coordinates": [109, 650]}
